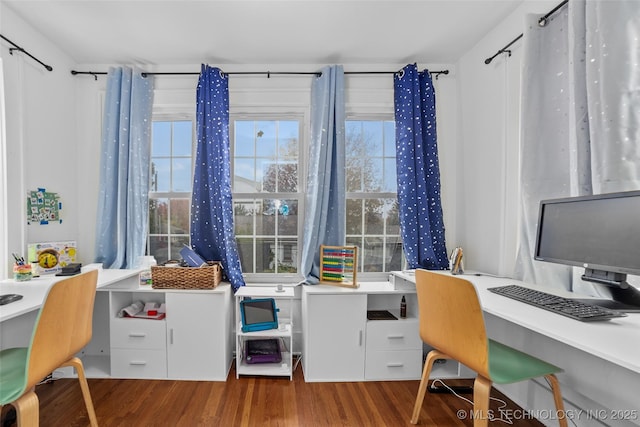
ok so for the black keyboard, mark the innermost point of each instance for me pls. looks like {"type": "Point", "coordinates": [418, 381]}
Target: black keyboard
{"type": "Point", "coordinates": [577, 310]}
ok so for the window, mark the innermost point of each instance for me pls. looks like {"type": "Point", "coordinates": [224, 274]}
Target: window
{"type": "Point", "coordinates": [266, 194]}
{"type": "Point", "coordinates": [170, 188]}
{"type": "Point", "coordinates": [372, 203]}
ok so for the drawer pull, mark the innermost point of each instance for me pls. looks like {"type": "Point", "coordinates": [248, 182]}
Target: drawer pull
{"type": "Point", "coordinates": [138, 362]}
{"type": "Point", "coordinates": [137, 335]}
{"type": "Point", "coordinates": [395, 365]}
{"type": "Point", "coordinates": [395, 337]}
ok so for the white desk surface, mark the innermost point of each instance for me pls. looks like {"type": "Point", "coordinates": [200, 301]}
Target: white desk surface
{"type": "Point", "coordinates": [613, 340]}
{"type": "Point", "coordinates": [34, 291]}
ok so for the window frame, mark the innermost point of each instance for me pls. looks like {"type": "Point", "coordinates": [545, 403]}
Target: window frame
{"type": "Point", "coordinates": [276, 114]}
{"type": "Point", "coordinates": [362, 195]}
{"type": "Point", "coordinates": [169, 195]}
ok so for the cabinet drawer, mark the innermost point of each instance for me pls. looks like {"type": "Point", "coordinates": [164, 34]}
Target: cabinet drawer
{"type": "Point", "coordinates": [393, 365]}
{"type": "Point", "coordinates": [138, 363]}
{"type": "Point", "coordinates": [138, 333]}
{"type": "Point", "coordinates": [393, 335]}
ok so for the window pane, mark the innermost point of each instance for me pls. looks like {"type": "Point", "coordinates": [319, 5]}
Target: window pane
{"type": "Point", "coordinates": [354, 216]}
{"type": "Point", "coordinates": [374, 222]}
{"type": "Point", "coordinates": [182, 138]}
{"type": "Point", "coordinates": [372, 136]}
{"type": "Point", "coordinates": [287, 177]}
{"type": "Point", "coordinates": [159, 248]}
{"type": "Point", "coordinates": [265, 255]}
{"type": "Point", "coordinates": [269, 174]}
{"type": "Point", "coordinates": [372, 254]}
{"type": "Point", "coordinates": [161, 139]}
{"type": "Point", "coordinates": [182, 176]}
{"type": "Point", "coordinates": [288, 137]}
{"type": "Point", "coordinates": [390, 178]}
{"type": "Point", "coordinates": [158, 216]}
{"type": "Point", "coordinates": [393, 221]}
{"type": "Point", "coordinates": [245, 251]}
{"type": "Point", "coordinates": [244, 211]}
{"type": "Point", "coordinates": [373, 174]}
{"type": "Point", "coordinates": [180, 219]}
{"type": "Point", "coordinates": [244, 176]}
{"type": "Point", "coordinates": [287, 215]}
{"type": "Point", "coordinates": [389, 139]}
{"type": "Point", "coordinates": [266, 218]}
{"type": "Point", "coordinates": [287, 256]}
{"type": "Point", "coordinates": [393, 258]}
{"type": "Point", "coordinates": [266, 139]}
{"type": "Point", "coordinates": [160, 174]}
{"type": "Point", "coordinates": [353, 173]}
{"type": "Point", "coordinates": [244, 139]}
{"type": "Point", "coordinates": [177, 243]}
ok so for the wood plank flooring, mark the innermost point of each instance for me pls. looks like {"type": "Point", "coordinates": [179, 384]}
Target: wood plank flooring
{"type": "Point", "coordinates": [249, 401]}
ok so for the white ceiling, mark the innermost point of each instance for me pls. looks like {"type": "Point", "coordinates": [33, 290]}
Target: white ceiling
{"type": "Point", "coordinates": [163, 32]}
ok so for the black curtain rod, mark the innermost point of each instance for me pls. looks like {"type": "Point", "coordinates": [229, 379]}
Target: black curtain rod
{"type": "Point", "coordinates": [265, 73]}
{"type": "Point", "coordinates": [19, 49]}
{"type": "Point", "coordinates": [541, 22]}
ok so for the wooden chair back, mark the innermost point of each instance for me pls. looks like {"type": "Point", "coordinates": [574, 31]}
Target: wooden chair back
{"type": "Point", "coordinates": [63, 326]}
{"type": "Point", "coordinates": [451, 319]}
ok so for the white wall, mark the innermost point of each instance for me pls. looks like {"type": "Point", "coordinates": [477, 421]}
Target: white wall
{"type": "Point", "coordinates": [41, 140]}
{"type": "Point", "coordinates": [489, 148]}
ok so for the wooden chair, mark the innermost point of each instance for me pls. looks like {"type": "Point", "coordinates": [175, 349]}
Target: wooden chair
{"type": "Point", "coordinates": [63, 327]}
{"type": "Point", "coordinates": [451, 321]}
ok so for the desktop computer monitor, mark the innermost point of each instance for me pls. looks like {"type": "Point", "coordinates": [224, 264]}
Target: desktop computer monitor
{"type": "Point", "coordinates": [600, 233]}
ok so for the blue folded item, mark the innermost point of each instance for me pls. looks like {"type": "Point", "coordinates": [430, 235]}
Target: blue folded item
{"type": "Point", "coordinates": [191, 257]}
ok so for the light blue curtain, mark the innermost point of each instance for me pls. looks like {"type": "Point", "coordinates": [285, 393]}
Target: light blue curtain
{"type": "Point", "coordinates": [418, 172]}
{"type": "Point", "coordinates": [212, 234]}
{"type": "Point", "coordinates": [123, 198]}
{"type": "Point", "coordinates": [325, 208]}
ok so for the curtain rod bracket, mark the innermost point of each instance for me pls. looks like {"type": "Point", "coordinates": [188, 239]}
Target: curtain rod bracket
{"type": "Point", "coordinates": [541, 22]}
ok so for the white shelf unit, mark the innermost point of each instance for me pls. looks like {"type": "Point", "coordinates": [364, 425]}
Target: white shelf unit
{"type": "Point", "coordinates": [283, 334]}
{"type": "Point", "coordinates": [340, 344]}
{"type": "Point", "coordinates": [193, 341]}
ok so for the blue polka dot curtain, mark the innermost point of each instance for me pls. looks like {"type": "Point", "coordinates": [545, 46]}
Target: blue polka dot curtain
{"type": "Point", "coordinates": [123, 197]}
{"type": "Point", "coordinates": [420, 208]}
{"type": "Point", "coordinates": [212, 234]}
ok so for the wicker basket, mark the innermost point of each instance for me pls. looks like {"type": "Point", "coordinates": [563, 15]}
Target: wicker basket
{"type": "Point", "coordinates": [206, 277]}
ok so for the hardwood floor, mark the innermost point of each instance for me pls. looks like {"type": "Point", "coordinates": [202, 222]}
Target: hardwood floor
{"type": "Point", "coordinates": [252, 401]}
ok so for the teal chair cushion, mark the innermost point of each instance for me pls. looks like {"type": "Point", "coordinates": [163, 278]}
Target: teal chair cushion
{"type": "Point", "coordinates": [13, 373]}
{"type": "Point", "coordinates": [508, 365]}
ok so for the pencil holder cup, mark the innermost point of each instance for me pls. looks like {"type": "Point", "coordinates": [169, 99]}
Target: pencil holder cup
{"type": "Point", "coordinates": [22, 272]}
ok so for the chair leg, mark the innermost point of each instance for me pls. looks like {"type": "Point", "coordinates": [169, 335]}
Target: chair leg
{"type": "Point", "coordinates": [27, 409]}
{"type": "Point", "coordinates": [481, 393]}
{"type": "Point", "coordinates": [557, 398]}
{"type": "Point", "coordinates": [84, 386]}
{"type": "Point", "coordinates": [431, 357]}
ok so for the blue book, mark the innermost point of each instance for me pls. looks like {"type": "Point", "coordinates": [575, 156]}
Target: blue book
{"type": "Point", "coordinates": [191, 257]}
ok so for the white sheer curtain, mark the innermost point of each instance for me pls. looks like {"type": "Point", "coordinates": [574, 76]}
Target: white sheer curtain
{"type": "Point", "coordinates": [580, 116]}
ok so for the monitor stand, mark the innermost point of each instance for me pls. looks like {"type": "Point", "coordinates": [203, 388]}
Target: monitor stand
{"type": "Point", "coordinates": [621, 296]}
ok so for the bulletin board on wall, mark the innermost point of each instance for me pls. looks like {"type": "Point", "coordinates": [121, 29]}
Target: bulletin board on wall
{"type": "Point", "coordinates": [43, 207]}
{"type": "Point", "coordinates": [338, 265]}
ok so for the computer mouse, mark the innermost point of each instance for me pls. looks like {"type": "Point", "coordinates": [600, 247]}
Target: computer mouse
{"type": "Point", "coordinates": [8, 298]}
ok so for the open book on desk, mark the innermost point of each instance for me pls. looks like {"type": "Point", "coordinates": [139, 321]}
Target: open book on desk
{"type": "Point", "coordinates": [140, 310]}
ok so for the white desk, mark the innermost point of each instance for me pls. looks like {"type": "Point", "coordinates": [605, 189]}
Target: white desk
{"type": "Point", "coordinates": [18, 318]}
{"type": "Point", "coordinates": [601, 360]}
